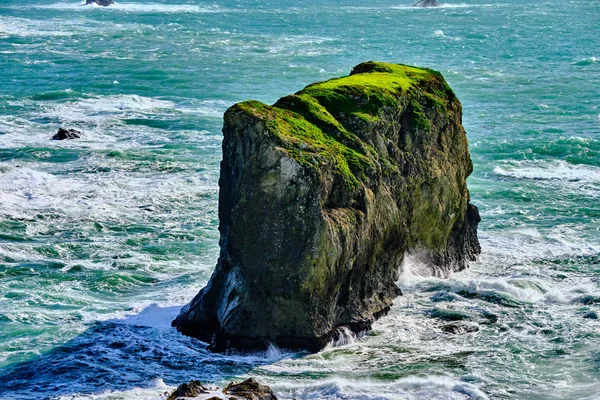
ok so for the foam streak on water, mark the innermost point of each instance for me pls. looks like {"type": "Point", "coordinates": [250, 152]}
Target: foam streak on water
{"type": "Point", "coordinates": [103, 239]}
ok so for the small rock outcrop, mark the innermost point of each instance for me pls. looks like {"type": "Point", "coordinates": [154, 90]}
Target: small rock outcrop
{"type": "Point", "coordinates": [460, 328]}
{"type": "Point", "coordinates": [104, 3]}
{"type": "Point", "coordinates": [427, 3]}
{"type": "Point", "coordinates": [65, 134]}
{"type": "Point", "coordinates": [250, 390]}
{"type": "Point", "coordinates": [321, 197]}
{"type": "Point", "coordinates": [191, 389]}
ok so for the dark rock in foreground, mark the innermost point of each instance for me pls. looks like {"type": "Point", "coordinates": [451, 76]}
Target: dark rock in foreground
{"type": "Point", "coordinates": [246, 390]}
{"type": "Point", "coordinates": [64, 134]}
{"type": "Point", "coordinates": [191, 389]}
{"type": "Point", "coordinates": [427, 3]}
{"type": "Point", "coordinates": [250, 390]}
{"type": "Point", "coordinates": [104, 3]}
{"type": "Point", "coordinates": [322, 195]}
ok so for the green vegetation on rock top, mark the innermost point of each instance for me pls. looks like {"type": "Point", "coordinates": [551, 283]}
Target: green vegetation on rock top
{"type": "Point", "coordinates": [383, 76]}
{"type": "Point", "coordinates": [315, 125]}
{"type": "Point", "coordinates": [308, 143]}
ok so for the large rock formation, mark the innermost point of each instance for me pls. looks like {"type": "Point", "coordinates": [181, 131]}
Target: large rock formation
{"type": "Point", "coordinates": [322, 195]}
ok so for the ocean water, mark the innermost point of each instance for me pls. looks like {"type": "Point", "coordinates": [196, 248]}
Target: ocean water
{"type": "Point", "coordinates": [103, 239]}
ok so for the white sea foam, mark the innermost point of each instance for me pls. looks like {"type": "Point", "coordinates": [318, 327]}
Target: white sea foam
{"type": "Point", "coordinates": [586, 141]}
{"type": "Point", "coordinates": [465, 5]}
{"type": "Point", "coordinates": [14, 128]}
{"type": "Point", "coordinates": [555, 170]}
{"type": "Point", "coordinates": [510, 290]}
{"type": "Point", "coordinates": [57, 28]}
{"type": "Point", "coordinates": [99, 107]}
{"type": "Point", "coordinates": [133, 7]}
{"type": "Point", "coordinates": [207, 108]}
{"type": "Point", "coordinates": [152, 316]}
{"type": "Point", "coordinates": [23, 188]}
{"type": "Point", "coordinates": [100, 118]}
{"type": "Point", "coordinates": [13, 26]}
{"type": "Point", "coordinates": [26, 192]}
{"type": "Point", "coordinates": [301, 45]}
{"type": "Point", "coordinates": [523, 244]}
{"type": "Point", "coordinates": [528, 283]}
{"type": "Point", "coordinates": [445, 5]}
{"type": "Point", "coordinates": [429, 387]}
{"type": "Point", "coordinates": [344, 337]}
{"type": "Point", "coordinates": [587, 61]}
{"type": "Point", "coordinates": [137, 394]}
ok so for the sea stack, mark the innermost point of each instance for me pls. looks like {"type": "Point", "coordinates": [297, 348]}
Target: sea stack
{"type": "Point", "coordinates": [321, 197]}
{"type": "Point", "coordinates": [427, 3]}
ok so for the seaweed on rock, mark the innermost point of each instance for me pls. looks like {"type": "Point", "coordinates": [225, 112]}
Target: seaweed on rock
{"type": "Point", "coordinates": [322, 195]}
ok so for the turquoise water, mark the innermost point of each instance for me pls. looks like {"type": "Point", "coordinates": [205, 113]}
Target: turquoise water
{"type": "Point", "coordinates": [102, 240]}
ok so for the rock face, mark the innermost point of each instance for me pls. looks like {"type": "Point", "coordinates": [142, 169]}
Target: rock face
{"type": "Point", "coordinates": [322, 195]}
{"type": "Point", "coordinates": [191, 389]}
{"type": "Point", "coordinates": [65, 134]}
{"type": "Point", "coordinates": [427, 3]}
{"type": "Point", "coordinates": [104, 3]}
{"type": "Point", "coordinates": [250, 390]}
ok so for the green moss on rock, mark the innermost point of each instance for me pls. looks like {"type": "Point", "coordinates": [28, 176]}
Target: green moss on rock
{"type": "Point", "coordinates": [321, 196]}
{"type": "Point", "coordinates": [315, 139]}
{"type": "Point", "coordinates": [421, 120]}
{"type": "Point", "coordinates": [315, 126]}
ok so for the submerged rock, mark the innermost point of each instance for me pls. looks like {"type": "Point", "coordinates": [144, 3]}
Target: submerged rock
{"type": "Point", "coordinates": [104, 3]}
{"type": "Point", "coordinates": [65, 134]}
{"type": "Point", "coordinates": [191, 389]}
{"type": "Point", "coordinates": [589, 300]}
{"type": "Point", "coordinates": [322, 195]}
{"type": "Point", "coordinates": [460, 328]}
{"type": "Point", "coordinates": [445, 296]}
{"type": "Point", "coordinates": [427, 3]}
{"type": "Point", "coordinates": [449, 315]}
{"type": "Point", "coordinates": [590, 315]}
{"type": "Point", "coordinates": [489, 317]}
{"type": "Point", "coordinates": [250, 390]}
